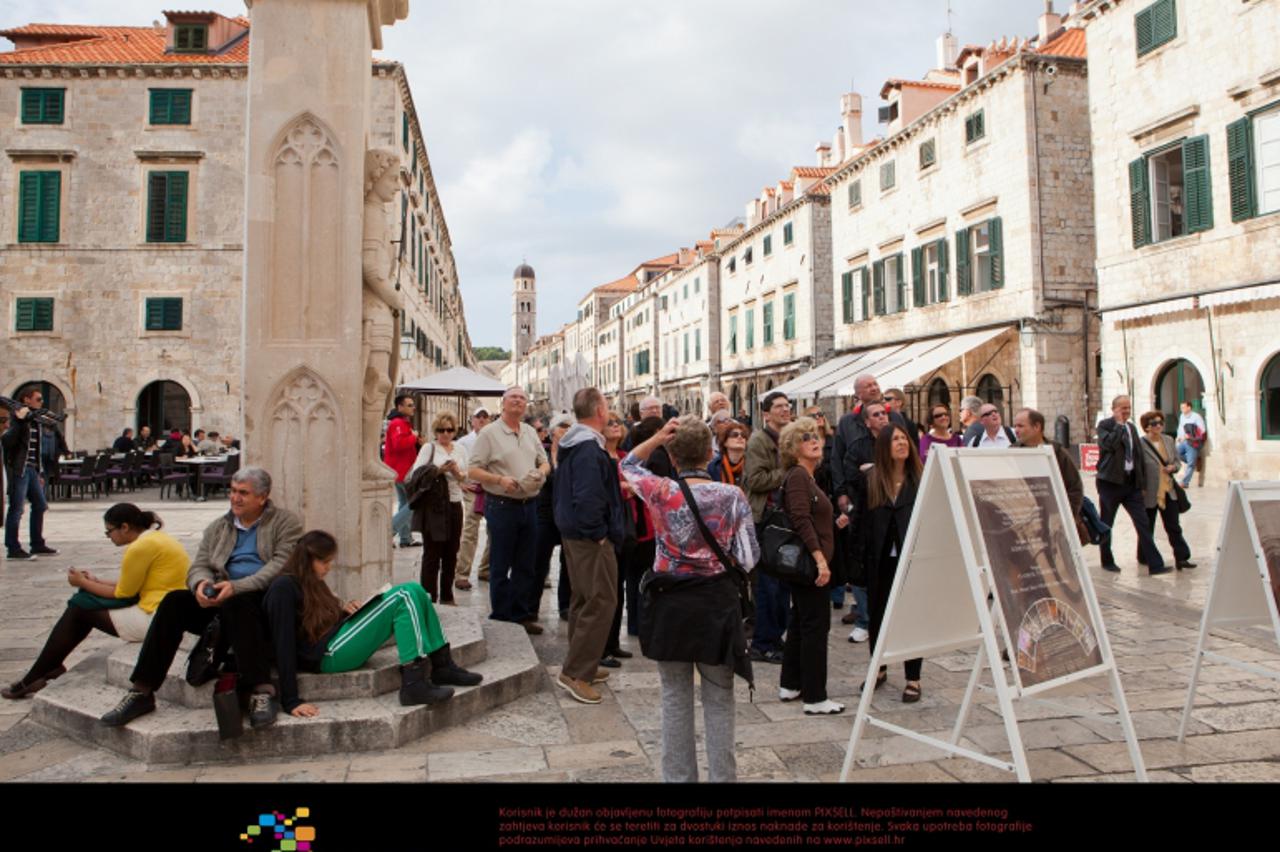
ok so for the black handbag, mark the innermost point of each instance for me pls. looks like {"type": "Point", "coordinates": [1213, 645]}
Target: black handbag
{"type": "Point", "coordinates": [205, 659]}
{"type": "Point", "coordinates": [783, 554]}
{"type": "Point", "coordinates": [1184, 502]}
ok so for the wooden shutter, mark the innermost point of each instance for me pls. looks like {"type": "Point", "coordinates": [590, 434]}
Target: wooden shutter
{"type": "Point", "coordinates": [995, 238]}
{"type": "Point", "coordinates": [1199, 189]}
{"type": "Point", "coordinates": [846, 294]}
{"type": "Point", "coordinates": [942, 269]}
{"type": "Point", "coordinates": [43, 314]}
{"type": "Point", "coordinates": [1240, 169]}
{"type": "Point", "coordinates": [175, 225]}
{"type": "Point", "coordinates": [25, 319]}
{"type": "Point", "coordinates": [1143, 33]}
{"type": "Point", "coordinates": [164, 314]}
{"type": "Point", "coordinates": [877, 275]}
{"type": "Point", "coordinates": [917, 276]}
{"type": "Point", "coordinates": [901, 283]}
{"type": "Point", "coordinates": [768, 323]}
{"type": "Point", "coordinates": [964, 286]}
{"type": "Point", "coordinates": [1139, 203]}
{"type": "Point", "coordinates": [32, 106]}
{"type": "Point", "coordinates": [1164, 21]}
{"type": "Point", "coordinates": [789, 316]}
{"type": "Point", "coordinates": [866, 294]}
{"type": "Point", "coordinates": [29, 207]}
{"type": "Point", "coordinates": [157, 184]}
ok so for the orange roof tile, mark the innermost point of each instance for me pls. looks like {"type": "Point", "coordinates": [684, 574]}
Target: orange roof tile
{"type": "Point", "coordinates": [622, 285]}
{"type": "Point", "coordinates": [1070, 43]}
{"type": "Point", "coordinates": [786, 184]}
{"type": "Point", "coordinates": [819, 188]}
{"type": "Point", "coordinates": [811, 171]}
{"type": "Point", "coordinates": [666, 260]}
{"type": "Point", "coordinates": [916, 84]}
{"type": "Point", "coordinates": [72, 30]}
{"type": "Point", "coordinates": [123, 46]}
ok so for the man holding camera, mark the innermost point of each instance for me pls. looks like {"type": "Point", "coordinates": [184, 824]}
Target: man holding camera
{"type": "Point", "coordinates": [240, 554]}
{"type": "Point", "coordinates": [25, 467]}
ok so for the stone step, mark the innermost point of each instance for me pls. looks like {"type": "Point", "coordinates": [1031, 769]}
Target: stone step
{"type": "Point", "coordinates": [379, 676]}
{"type": "Point", "coordinates": [176, 734]}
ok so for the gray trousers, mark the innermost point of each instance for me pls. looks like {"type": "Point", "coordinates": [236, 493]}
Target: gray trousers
{"type": "Point", "coordinates": [593, 576]}
{"type": "Point", "coordinates": [679, 754]}
{"type": "Point", "coordinates": [471, 521]}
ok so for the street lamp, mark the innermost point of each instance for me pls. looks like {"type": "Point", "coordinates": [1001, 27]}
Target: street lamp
{"type": "Point", "coordinates": [406, 347]}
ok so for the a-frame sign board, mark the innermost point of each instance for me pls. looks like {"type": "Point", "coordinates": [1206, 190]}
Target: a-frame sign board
{"type": "Point", "coordinates": [1245, 586]}
{"type": "Point", "coordinates": [994, 521]}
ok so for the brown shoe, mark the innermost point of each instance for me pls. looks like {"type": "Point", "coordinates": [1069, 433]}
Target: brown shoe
{"type": "Point", "coordinates": [580, 691]}
{"type": "Point", "coordinates": [849, 617]}
{"type": "Point", "coordinates": [18, 689]}
{"type": "Point", "coordinates": [463, 585]}
{"type": "Point", "coordinates": [533, 628]}
{"type": "Point", "coordinates": [601, 676]}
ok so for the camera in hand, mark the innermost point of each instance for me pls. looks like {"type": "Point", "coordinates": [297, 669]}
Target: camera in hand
{"type": "Point", "coordinates": [210, 592]}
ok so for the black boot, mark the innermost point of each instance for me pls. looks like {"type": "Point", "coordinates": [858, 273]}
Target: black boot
{"type": "Point", "coordinates": [445, 671]}
{"type": "Point", "coordinates": [416, 688]}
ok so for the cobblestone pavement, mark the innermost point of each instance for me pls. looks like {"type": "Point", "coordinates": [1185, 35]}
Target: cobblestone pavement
{"type": "Point", "coordinates": [1152, 622]}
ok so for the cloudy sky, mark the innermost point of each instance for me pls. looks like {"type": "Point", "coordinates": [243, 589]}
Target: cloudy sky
{"type": "Point", "coordinates": [585, 136]}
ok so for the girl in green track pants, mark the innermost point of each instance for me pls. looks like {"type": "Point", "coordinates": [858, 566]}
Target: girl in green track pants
{"type": "Point", "coordinates": [314, 631]}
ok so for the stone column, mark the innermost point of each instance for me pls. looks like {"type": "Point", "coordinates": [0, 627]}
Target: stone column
{"type": "Point", "coordinates": [304, 333]}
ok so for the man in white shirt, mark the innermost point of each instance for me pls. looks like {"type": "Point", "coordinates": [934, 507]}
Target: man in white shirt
{"type": "Point", "coordinates": [994, 434]}
{"type": "Point", "coordinates": [1191, 436]}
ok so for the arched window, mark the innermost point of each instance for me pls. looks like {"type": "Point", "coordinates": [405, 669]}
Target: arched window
{"type": "Point", "coordinates": [939, 393]}
{"type": "Point", "coordinates": [990, 390]}
{"type": "Point", "coordinates": [164, 406]}
{"type": "Point", "coordinates": [735, 400]}
{"type": "Point", "coordinates": [1179, 381]}
{"type": "Point", "coordinates": [53, 399]}
{"type": "Point", "coordinates": [1269, 400]}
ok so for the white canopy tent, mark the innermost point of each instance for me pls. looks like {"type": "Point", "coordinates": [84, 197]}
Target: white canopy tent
{"type": "Point", "coordinates": [457, 381]}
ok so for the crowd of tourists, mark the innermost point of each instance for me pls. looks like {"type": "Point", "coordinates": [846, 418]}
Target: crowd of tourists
{"type": "Point", "coordinates": [663, 524]}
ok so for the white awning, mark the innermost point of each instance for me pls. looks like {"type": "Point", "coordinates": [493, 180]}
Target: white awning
{"type": "Point", "coordinates": [454, 382]}
{"type": "Point", "coordinates": [1172, 306]}
{"type": "Point", "coordinates": [1245, 294]}
{"type": "Point", "coordinates": [893, 366]}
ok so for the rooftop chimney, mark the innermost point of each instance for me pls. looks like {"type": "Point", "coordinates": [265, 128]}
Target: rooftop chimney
{"type": "Point", "coordinates": [851, 113]}
{"type": "Point", "coordinates": [947, 51]}
{"type": "Point", "coordinates": [823, 150]}
{"type": "Point", "coordinates": [1050, 23]}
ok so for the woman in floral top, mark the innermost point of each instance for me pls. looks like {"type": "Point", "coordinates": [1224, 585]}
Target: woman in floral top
{"type": "Point", "coordinates": [693, 609]}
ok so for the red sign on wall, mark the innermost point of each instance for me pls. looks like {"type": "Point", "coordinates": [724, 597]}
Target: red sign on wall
{"type": "Point", "coordinates": [1089, 458]}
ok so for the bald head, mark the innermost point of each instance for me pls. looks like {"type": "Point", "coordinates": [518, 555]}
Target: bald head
{"type": "Point", "coordinates": [866, 387]}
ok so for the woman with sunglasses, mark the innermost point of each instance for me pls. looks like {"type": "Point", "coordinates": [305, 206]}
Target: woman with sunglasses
{"type": "Point", "coordinates": [154, 564]}
{"type": "Point", "coordinates": [730, 464]}
{"type": "Point", "coordinates": [939, 431]}
{"type": "Point", "coordinates": [804, 656]}
{"type": "Point", "coordinates": [440, 554]}
{"type": "Point", "coordinates": [1160, 464]}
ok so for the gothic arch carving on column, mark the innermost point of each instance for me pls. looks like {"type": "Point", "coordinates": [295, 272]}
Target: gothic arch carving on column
{"type": "Point", "coordinates": [303, 412]}
{"type": "Point", "coordinates": [305, 242]}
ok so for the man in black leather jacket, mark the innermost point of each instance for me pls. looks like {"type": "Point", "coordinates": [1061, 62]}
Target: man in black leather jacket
{"type": "Point", "coordinates": [1120, 482]}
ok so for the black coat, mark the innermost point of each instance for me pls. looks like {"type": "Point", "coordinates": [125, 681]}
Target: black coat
{"type": "Point", "coordinates": [16, 440]}
{"type": "Point", "coordinates": [1111, 454]}
{"type": "Point", "coordinates": [588, 496]}
{"type": "Point", "coordinates": [885, 523]}
{"type": "Point", "coordinates": [427, 493]}
{"type": "Point", "coordinates": [853, 447]}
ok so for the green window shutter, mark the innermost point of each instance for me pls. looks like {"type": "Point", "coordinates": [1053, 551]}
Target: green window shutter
{"type": "Point", "coordinates": [901, 283]}
{"type": "Point", "coordinates": [996, 249]}
{"type": "Point", "coordinates": [170, 106]}
{"type": "Point", "coordinates": [789, 316]}
{"type": "Point", "coordinates": [846, 296]}
{"type": "Point", "coordinates": [733, 335]}
{"type": "Point", "coordinates": [39, 200]}
{"type": "Point", "coordinates": [1199, 189]}
{"type": "Point", "coordinates": [1155, 25]}
{"type": "Point", "coordinates": [768, 323]}
{"type": "Point", "coordinates": [156, 196]}
{"type": "Point", "coordinates": [768, 246]}
{"type": "Point", "coordinates": [917, 276]}
{"type": "Point", "coordinates": [1240, 169]}
{"type": "Point", "coordinates": [751, 329]}
{"type": "Point", "coordinates": [877, 274]}
{"type": "Point", "coordinates": [1139, 202]}
{"type": "Point", "coordinates": [787, 235]}
{"type": "Point", "coordinates": [855, 193]}
{"type": "Point", "coordinates": [32, 106]}
{"type": "Point", "coordinates": [964, 284]}
{"type": "Point", "coordinates": [1143, 33]}
{"type": "Point", "coordinates": [164, 314]}
{"type": "Point", "coordinates": [175, 226]}
{"type": "Point", "coordinates": [34, 315]}
{"type": "Point", "coordinates": [942, 270]}
{"type": "Point", "coordinates": [866, 294]}
{"type": "Point", "coordinates": [42, 106]}
{"type": "Point", "coordinates": [404, 130]}
{"type": "Point", "coordinates": [697, 344]}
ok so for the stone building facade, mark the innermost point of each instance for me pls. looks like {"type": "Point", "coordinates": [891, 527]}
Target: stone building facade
{"type": "Point", "coordinates": [1186, 151]}
{"type": "Point", "coordinates": [688, 331]}
{"type": "Point", "coordinates": [963, 242]}
{"type": "Point", "coordinates": [122, 261]}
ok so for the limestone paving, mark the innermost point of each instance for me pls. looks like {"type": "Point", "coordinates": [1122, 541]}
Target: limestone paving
{"type": "Point", "coordinates": [545, 737]}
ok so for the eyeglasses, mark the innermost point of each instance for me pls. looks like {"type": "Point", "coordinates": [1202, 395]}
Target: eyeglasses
{"type": "Point", "coordinates": [1156, 423]}
{"type": "Point", "coordinates": [940, 415]}
{"type": "Point", "coordinates": [816, 415]}
{"type": "Point", "coordinates": [735, 434]}
{"type": "Point", "coordinates": [809, 436]}
{"type": "Point", "coordinates": [991, 414]}
{"type": "Point", "coordinates": [446, 430]}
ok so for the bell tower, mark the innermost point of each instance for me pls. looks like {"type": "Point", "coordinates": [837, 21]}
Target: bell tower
{"type": "Point", "coordinates": [524, 311]}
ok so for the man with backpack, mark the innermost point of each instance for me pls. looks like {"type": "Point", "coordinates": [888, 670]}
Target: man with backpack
{"type": "Point", "coordinates": [1191, 437]}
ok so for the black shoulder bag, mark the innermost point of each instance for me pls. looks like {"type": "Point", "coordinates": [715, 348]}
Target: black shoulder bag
{"type": "Point", "coordinates": [783, 554]}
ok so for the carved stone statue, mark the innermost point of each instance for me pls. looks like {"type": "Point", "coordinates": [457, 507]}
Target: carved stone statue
{"type": "Point", "coordinates": [381, 306]}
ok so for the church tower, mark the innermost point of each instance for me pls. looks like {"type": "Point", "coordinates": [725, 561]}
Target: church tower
{"type": "Point", "coordinates": [524, 314]}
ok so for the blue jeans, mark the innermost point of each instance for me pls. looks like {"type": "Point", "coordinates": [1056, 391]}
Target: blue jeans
{"type": "Point", "coordinates": [1188, 454]}
{"type": "Point", "coordinates": [24, 489]}
{"type": "Point", "coordinates": [401, 520]}
{"type": "Point", "coordinates": [773, 602]}
{"type": "Point", "coordinates": [860, 598]}
{"type": "Point", "coordinates": [513, 530]}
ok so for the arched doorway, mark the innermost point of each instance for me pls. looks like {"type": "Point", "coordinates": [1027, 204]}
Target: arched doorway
{"type": "Point", "coordinates": [990, 390]}
{"type": "Point", "coordinates": [735, 400]}
{"type": "Point", "coordinates": [753, 406]}
{"type": "Point", "coordinates": [164, 406]}
{"type": "Point", "coordinates": [1269, 401]}
{"type": "Point", "coordinates": [939, 393]}
{"type": "Point", "coordinates": [53, 398]}
{"type": "Point", "coordinates": [1178, 381]}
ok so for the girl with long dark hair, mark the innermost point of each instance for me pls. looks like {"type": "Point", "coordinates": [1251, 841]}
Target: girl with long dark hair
{"type": "Point", "coordinates": [315, 631]}
{"type": "Point", "coordinates": [154, 564]}
{"type": "Point", "coordinates": [884, 512]}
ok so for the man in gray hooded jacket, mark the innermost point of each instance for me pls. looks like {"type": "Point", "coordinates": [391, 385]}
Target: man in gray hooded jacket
{"type": "Point", "coordinates": [588, 513]}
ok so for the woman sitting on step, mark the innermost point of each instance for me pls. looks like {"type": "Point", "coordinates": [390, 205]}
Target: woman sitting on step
{"type": "Point", "coordinates": [315, 631]}
{"type": "Point", "coordinates": [154, 564]}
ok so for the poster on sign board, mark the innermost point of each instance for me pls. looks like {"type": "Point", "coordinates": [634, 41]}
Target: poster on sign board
{"type": "Point", "coordinates": [1266, 519]}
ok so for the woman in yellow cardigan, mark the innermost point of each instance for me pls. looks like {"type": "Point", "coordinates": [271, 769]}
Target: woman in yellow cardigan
{"type": "Point", "coordinates": [154, 564]}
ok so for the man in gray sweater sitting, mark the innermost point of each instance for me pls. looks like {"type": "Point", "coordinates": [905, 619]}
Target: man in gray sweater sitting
{"type": "Point", "coordinates": [239, 556]}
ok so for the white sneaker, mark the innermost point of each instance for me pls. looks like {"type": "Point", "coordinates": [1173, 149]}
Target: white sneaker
{"type": "Point", "coordinates": [785, 694]}
{"type": "Point", "coordinates": [859, 634]}
{"type": "Point", "coordinates": [824, 708]}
